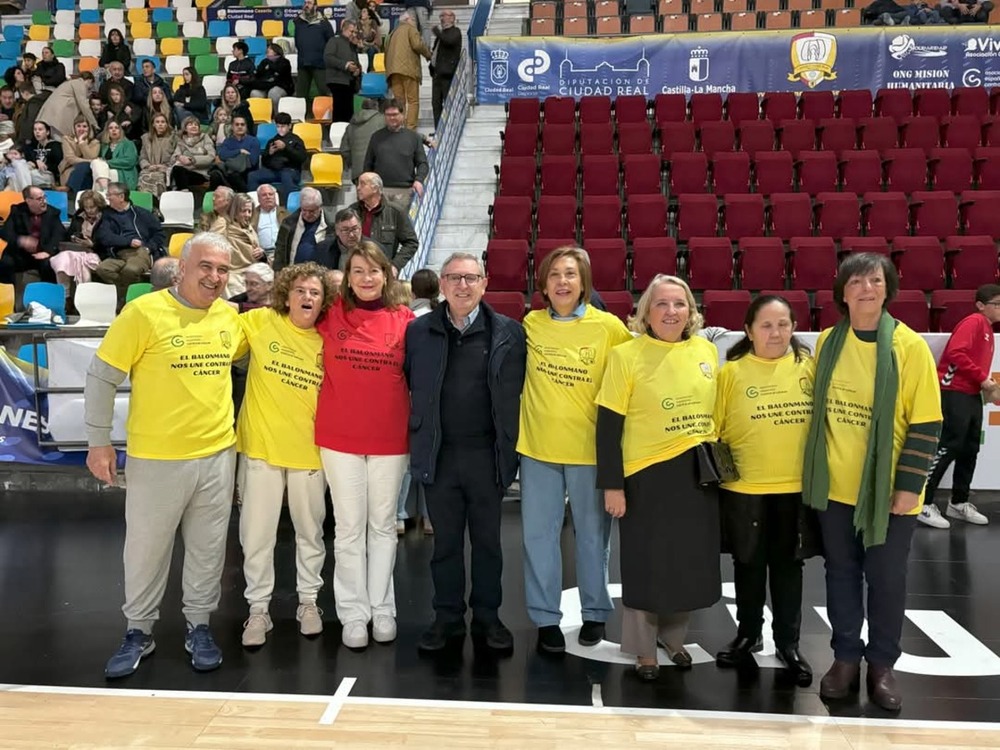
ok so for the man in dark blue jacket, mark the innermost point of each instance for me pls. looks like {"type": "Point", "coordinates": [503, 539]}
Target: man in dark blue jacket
{"type": "Point", "coordinates": [312, 32]}
{"type": "Point", "coordinates": [129, 239]}
{"type": "Point", "coordinates": [465, 367]}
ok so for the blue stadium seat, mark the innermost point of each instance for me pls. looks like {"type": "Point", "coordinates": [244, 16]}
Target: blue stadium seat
{"type": "Point", "coordinates": [10, 50]}
{"type": "Point", "coordinates": [27, 354]}
{"type": "Point", "coordinates": [218, 28]}
{"type": "Point", "coordinates": [13, 33]}
{"type": "Point", "coordinates": [293, 202]}
{"type": "Point", "coordinates": [90, 16]}
{"type": "Point", "coordinates": [65, 4]}
{"type": "Point", "coordinates": [257, 46]}
{"type": "Point", "coordinates": [142, 58]}
{"type": "Point", "coordinates": [265, 132]}
{"type": "Point", "coordinates": [374, 85]}
{"type": "Point", "coordinates": [59, 200]}
{"type": "Point", "coordinates": [52, 296]}
{"type": "Point", "coordinates": [162, 14]}
{"type": "Point", "coordinates": [6, 65]}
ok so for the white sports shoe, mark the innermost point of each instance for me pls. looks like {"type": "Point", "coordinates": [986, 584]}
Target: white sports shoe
{"type": "Point", "coordinates": [355, 634]}
{"type": "Point", "coordinates": [256, 628]}
{"type": "Point", "coordinates": [967, 512]}
{"type": "Point", "coordinates": [310, 619]}
{"type": "Point", "coordinates": [931, 516]}
{"type": "Point", "coordinates": [384, 628]}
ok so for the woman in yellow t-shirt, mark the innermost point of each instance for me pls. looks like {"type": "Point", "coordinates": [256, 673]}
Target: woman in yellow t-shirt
{"type": "Point", "coordinates": [765, 401]}
{"type": "Point", "coordinates": [274, 436]}
{"type": "Point", "coordinates": [875, 425]}
{"type": "Point", "coordinates": [654, 408]}
{"type": "Point", "coordinates": [568, 344]}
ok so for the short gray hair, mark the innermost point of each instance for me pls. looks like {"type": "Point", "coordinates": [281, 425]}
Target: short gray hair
{"type": "Point", "coordinates": [165, 273]}
{"type": "Point", "coordinates": [212, 239]}
{"type": "Point", "coordinates": [262, 271]}
{"type": "Point", "coordinates": [373, 179]}
{"type": "Point", "coordinates": [266, 186]}
{"type": "Point", "coordinates": [312, 196]}
{"type": "Point", "coordinates": [455, 257]}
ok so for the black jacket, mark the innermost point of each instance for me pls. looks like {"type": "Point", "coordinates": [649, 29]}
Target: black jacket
{"type": "Point", "coordinates": [239, 74]}
{"type": "Point", "coordinates": [310, 41]}
{"type": "Point", "coordinates": [194, 100]}
{"type": "Point", "coordinates": [742, 517]}
{"type": "Point", "coordinates": [117, 229]}
{"type": "Point", "coordinates": [116, 52]}
{"type": "Point", "coordinates": [272, 73]}
{"type": "Point", "coordinates": [448, 52]}
{"type": "Point", "coordinates": [327, 253]}
{"type": "Point", "coordinates": [141, 87]}
{"type": "Point", "coordinates": [424, 366]}
{"type": "Point", "coordinates": [292, 156]}
{"type": "Point", "coordinates": [18, 224]}
{"type": "Point", "coordinates": [392, 230]}
{"type": "Point", "coordinates": [51, 153]}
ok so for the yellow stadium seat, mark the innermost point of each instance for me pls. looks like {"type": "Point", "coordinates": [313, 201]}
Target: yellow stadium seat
{"type": "Point", "coordinates": [311, 134]}
{"type": "Point", "coordinates": [6, 299]}
{"type": "Point", "coordinates": [260, 108]}
{"type": "Point", "coordinates": [9, 198]}
{"type": "Point", "coordinates": [202, 3]}
{"type": "Point", "coordinates": [38, 33]}
{"type": "Point", "coordinates": [172, 46]}
{"type": "Point", "coordinates": [89, 64]}
{"type": "Point", "coordinates": [137, 15]}
{"type": "Point", "coordinates": [379, 62]}
{"type": "Point", "coordinates": [178, 82]}
{"type": "Point", "coordinates": [272, 28]}
{"type": "Point", "coordinates": [141, 30]}
{"type": "Point", "coordinates": [177, 243]}
{"type": "Point", "coordinates": [327, 170]}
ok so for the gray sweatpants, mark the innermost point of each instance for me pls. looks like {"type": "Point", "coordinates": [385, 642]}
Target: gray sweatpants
{"type": "Point", "coordinates": [197, 496]}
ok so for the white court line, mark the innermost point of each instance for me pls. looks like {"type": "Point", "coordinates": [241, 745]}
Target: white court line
{"type": "Point", "coordinates": [336, 703]}
{"type": "Point", "coordinates": [354, 700]}
{"type": "Point", "coordinates": [595, 696]}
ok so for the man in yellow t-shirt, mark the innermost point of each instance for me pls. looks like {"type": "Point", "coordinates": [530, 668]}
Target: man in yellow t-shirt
{"type": "Point", "coordinates": [275, 437]}
{"type": "Point", "coordinates": [177, 346]}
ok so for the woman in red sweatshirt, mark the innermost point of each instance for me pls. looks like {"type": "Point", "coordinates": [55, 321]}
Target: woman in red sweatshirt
{"type": "Point", "coordinates": [964, 372]}
{"type": "Point", "coordinates": [362, 424]}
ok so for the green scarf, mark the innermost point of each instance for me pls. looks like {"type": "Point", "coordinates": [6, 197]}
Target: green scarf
{"type": "Point", "coordinates": [871, 514]}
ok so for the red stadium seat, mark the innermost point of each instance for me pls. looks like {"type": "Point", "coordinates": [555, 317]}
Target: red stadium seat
{"type": "Point", "coordinates": [920, 132]}
{"type": "Point", "coordinates": [559, 109]}
{"type": "Point", "coordinates": [520, 140]}
{"type": "Point", "coordinates": [894, 103]}
{"type": "Point", "coordinates": [517, 176]}
{"type": "Point", "coordinates": [814, 262]}
{"type": "Point", "coordinates": [523, 110]}
{"type": "Point", "coordinates": [932, 102]}
{"type": "Point", "coordinates": [600, 174]}
{"type": "Point", "coordinates": [743, 216]}
{"type": "Point", "coordinates": [885, 215]}
{"type": "Point", "coordinates": [725, 308]}
{"type": "Point", "coordinates": [981, 213]}
{"type": "Point", "coordinates": [631, 109]}
{"type": "Point", "coordinates": [688, 173]}
{"type": "Point", "coordinates": [837, 134]}
{"type": "Point", "coordinates": [716, 136]}
{"type": "Point", "coordinates": [635, 138]}
{"type": "Point", "coordinates": [512, 218]}
{"type": "Point", "coordinates": [920, 262]}
{"type": "Point", "coordinates": [742, 107]}
{"type": "Point", "coordinates": [642, 174]}
{"type": "Point", "coordinates": [710, 263]}
{"type": "Point", "coordinates": [987, 168]}
{"type": "Point", "coordinates": [762, 263]}
{"type": "Point", "coordinates": [669, 108]}
{"type": "Point", "coordinates": [545, 246]}
{"type": "Point", "coordinates": [816, 105]}
{"type": "Point", "coordinates": [558, 139]}
{"type": "Point", "coordinates": [878, 245]}
{"type": "Point", "coordinates": [705, 108]}
{"type": "Point", "coordinates": [676, 137]}
{"type": "Point", "coordinates": [778, 106]}
{"type": "Point", "coordinates": [507, 265]}
{"type": "Point", "coordinates": [949, 306]}
{"type": "Point", "coordinates": [935, 214]}
{"type": "Point", "coordinates": [731, 173]}
{"type": "Point", "coordinates": [951, 169]}
{"type": "Point", "coordinates": [972, 260]}
{"type": "Point", "coordinates": [595, 138]}
{"type": "Point", "coordinates": [773, 172]}
{"type": "Point", "coordinates": [607, 261]}
{"type": "Point", "coordinates": [854, 103]}
{"type": "Point", "coordinates": [791, 215]}
{"type": "Point", "coordinates": [970, 100]}
{"type": "Point", "coordinates": [559, 175]}
{"type": "Point", "coordinates": [595, 109]}
{"type": "Point", "coordinates": [905, 169]}
{"type": "Point", "coordinates": [798, 300]}
{"type": "Point", "coordinates": [827, 313]}
{"type": "Point", "coordinates": [697, 216]}
{"type": "Point", "coordinates": [556, 216]}
{"type": "Point", "coordinates": [961, 131]}
{"type": "Point", "coordinates": [796, 136]}
{"type": "Point", "coordinates": [910, 307]}
{"type": "Point", "coordinates": [837, 215]}
{"type": "Point", "coordinates": [861, 172]}
{"type": "Point", "coordinates": [878, 134]}
{"type": "Point", "coordinates": [817, 172]}
{"type": "Point", "coordinates": [756, 136]}
{"type": "Point", "coordinates": [602, 217]}
{"type": "Point", "coordinates": [647, 216]}
{"type": "Point", "coordinates": [619, 304]}
{"type": "Point", "coordinates": [510, 304]}
{"type": "Point", "coordinates": [652, 256]}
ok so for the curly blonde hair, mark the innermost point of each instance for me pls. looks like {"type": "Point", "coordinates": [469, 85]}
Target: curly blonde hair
{"type": "Point", "coordinates": [287, 277]}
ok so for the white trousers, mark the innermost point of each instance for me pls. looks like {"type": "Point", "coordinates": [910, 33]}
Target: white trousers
{"type": "Point", "coordinates": [364, 491]}
{"type": "Point", "coordinates": [101, 171]}
{"type": "Point", "coordinates": [261, 488]}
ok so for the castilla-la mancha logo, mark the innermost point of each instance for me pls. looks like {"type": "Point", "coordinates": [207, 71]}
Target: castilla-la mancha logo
{"type": "Point", "coordinates": [814, 56]}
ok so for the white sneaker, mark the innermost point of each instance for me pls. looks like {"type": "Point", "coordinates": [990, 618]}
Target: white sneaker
{"type": "Point", "coordinates": [384, 628]}
{"type": "Point", "coordinates": [355, 635]}
{"type": "Point", "coordinates": [967, 512]}
{"type": "Point", "coordinates": [400, 528]}
{"type": "Point", "coordinates": [310, 618]}
{"type": "Point", "coordinates": [256, 628]}
{"type": "Point", "coordinates": [931, 516]}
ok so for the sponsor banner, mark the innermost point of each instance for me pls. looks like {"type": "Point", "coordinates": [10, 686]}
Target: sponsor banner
{"type": "Point", "coordinates": [832, 59]}
{"type": "Point", "coordinates": [285, 13]}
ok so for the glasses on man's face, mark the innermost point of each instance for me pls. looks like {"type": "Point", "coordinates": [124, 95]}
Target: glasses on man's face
{"type": "Point", "coordinates": [350, 230]}
{"type": "Point", "coordinates": [994, 303]}
{"type": "Point", "coordinates": [458, 278]}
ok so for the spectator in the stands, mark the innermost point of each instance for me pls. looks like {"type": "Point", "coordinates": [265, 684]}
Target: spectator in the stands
{"type": "Point", "coordinates": [350, 235]}
{"type": "Point", "coordinates": [232, 105]}
{"type": "Point", "coordinates": [118, 162]}
{"type": "Point", "coordinates": [156, 104]}
{"type": "Point", "coordinates": [6, 137]}
{"type": "Point", "coordinates": [241, 69]}
{"type": "Point", "coordinates": [129, 238]}
{"type": "Point", "coordinates": [403, 51]}
{"type": "Point", "coordinates": [100, 112]}
{"type": "Point", "coordinates": [243, 237]}
{"type": "Point", "coordinates": [343, 71]}
{"type": "Point", "coordinates": [70, 100]}
{"type": "Point", "coordinates": [8, 104]}
{"type": "Point", "coordinates": [22, 73]}
{"type": "Point", "coordinates": [27, 115]}
{"type": "Point", "coordinates": [74, 266]}
{"type": "Point", "coordinates": [119, 110]}
{"type": "Point", "coordinates": [146, 81]}
{"type": "Point", "coordinates": [354, 144]}
{"type": "Point", "coordinates": [965, 11]}
{"type": "Point", "coordinates": [43, 155]}
{"type": "Point", "coordinates": [397, 155]}
{"type": "Point", "coordinates": [190, 99]}
{"type": "Point", "coordinates": [156, 156]}
{"type": "Point", "coordinates": [50, 71]}
{"type": "Point", "coordinates": [281, 161]}
{"type": "Point", "coordinates": [238, 155]}
{"type": "Point", "coordinates": [79, 149]}
{"type": "Point", "coordinates": [308, 234]}
{"type": "Point", "coordinates": [267, 218]}
{"type": "Point", "coordinates": [352, 10]}
{"type": "Point", "coordinates": [116, 75]}
{"type": "Point", "coordinates": [215, 220]}
{"type": "Point", "coordinates": [421, 10]}
{"type": "Point", "coordinates": [446, 55]}
{"type": "Point", "coordinates": [115, 50]}
{"type": "Point", "coordinates": [166, 272]}
{"type": "Point", "coordinates": [193, 156]}
{"type": "Point", "coordinates": [369, 33]}
{"type": "Point", "coordinates": [385, 223]}
{"type": "Point", "coordinates": [259, 281]}
{"type": "Point", "coordinates": [312, 32]}
{"type": "Point", "coordinates": [917, 13]}
{"type": "Point", "coordinates": [32, 232]}
{"type": "Point", "coordinates": [273, 77]}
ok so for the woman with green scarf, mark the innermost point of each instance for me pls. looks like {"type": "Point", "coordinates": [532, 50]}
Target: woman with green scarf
{"type": "Point", "coordinates": [875, 425]}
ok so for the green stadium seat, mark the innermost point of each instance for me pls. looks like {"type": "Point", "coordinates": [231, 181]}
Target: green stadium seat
{"type": "Point", "coordinates": [199, 46]}
{"type": "Point", "coordinates": [167, 29]}
{"type": "Point", "coordinates": [63, 48]}
{"type": "Point", "coordinates": [142, 199]}
{"type": "Point", "coordinates": [206, 64]}
{"type": "Point", "coordinates": [41, 18]}
{"type": "Point", "coordinates": [112, 4]}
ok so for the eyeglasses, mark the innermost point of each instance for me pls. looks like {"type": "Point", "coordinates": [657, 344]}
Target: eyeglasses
{"type": "Point", "coordinates": [350, 230]}
{"type": "Point", "coordinates": [994, 303]}
{"type": "Point", "coordinates": [458, 278]}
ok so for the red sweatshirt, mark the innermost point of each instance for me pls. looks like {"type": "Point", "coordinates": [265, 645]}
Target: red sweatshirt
{"type": "Point", "coordinates": [968, 355]}
{"type": "Point", "coordinates": [364, 403]}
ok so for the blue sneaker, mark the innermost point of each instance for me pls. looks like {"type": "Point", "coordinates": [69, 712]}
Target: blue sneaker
{"type": "Point", "coordinates": [205, 654]}
{"type": "Point", "coordinates": [136, 645]}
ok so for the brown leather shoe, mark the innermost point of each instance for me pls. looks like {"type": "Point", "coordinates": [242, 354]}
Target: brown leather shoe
{"type": "Point", "coordinates": [882, 688]}
{"type": "Point", "coordinates": [842, 679]}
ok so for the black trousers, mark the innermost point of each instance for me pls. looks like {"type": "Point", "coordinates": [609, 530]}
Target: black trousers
{"type": "Point", "coordinates": [219, 177]}
{"type": "Point", "coordinates": [15, 261]}
{"type": "Point", "coordinates": [343, 101]}
{"type": "Point", "coordinates": [849, 567]}
{"type": "Point", "coordinates": [185, 178]}
{"type": "Point", "coordinates": [465, 494]}
{"type": "Point", "coordinates": [439, 92]}
{"type": "Point", "coordinates": [960, 436]}
{"type": "Point", "coordinates": [773, 561]}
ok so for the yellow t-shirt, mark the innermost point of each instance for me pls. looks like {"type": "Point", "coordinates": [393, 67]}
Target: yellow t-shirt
{"type": "Point", "coordinates": [566, 362]}
{"type": "Point", "coordinates": [762, 411]}
{"type": "Point", "coordinates": [179, 359]}
{"type": "Point", "coordinates": [278, 415]}
{"type": "Point", "coordinates": [849, 405]}
{"type": "Point", "coordinates": [666, 392]}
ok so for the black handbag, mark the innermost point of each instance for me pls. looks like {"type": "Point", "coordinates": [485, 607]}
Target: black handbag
{"type": "Point", "coordinates": [715, 464]}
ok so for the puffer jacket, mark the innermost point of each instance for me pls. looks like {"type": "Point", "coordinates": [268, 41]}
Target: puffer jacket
{"type": "Point", "coordinates": [202, 151]}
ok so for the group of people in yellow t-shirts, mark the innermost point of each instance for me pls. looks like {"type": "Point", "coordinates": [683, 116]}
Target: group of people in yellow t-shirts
{"type": "Point", "coordinates": [831, 452]}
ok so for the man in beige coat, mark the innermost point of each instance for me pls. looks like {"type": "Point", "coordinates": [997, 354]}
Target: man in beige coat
{"type": "Point", "coordinates": [70, 99]}
{"type": "Point", "coordinates": [402, 65]}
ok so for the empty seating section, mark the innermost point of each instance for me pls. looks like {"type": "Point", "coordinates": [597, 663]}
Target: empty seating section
{"type": "Point", "coordinates": [751, 193]}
